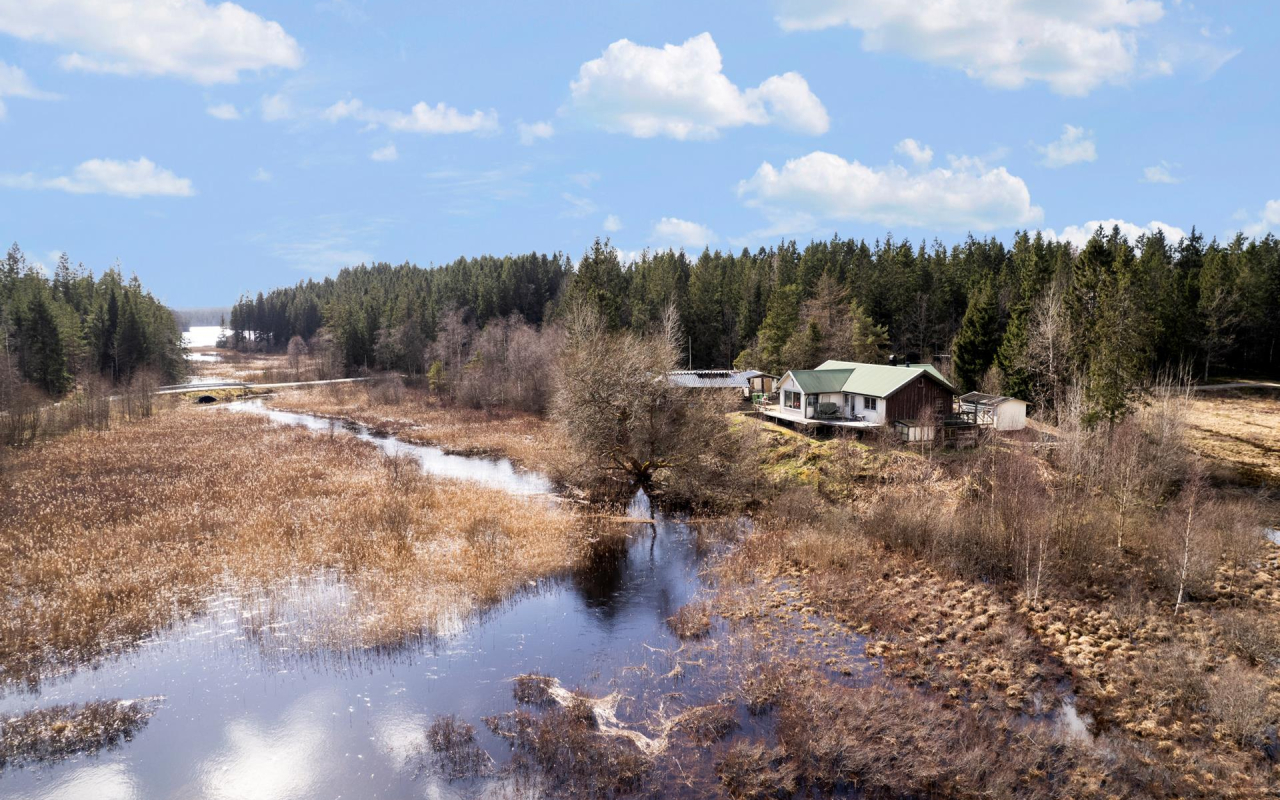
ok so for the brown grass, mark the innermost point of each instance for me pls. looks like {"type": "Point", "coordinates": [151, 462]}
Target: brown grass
{"type": "Point", "coordinates": [49, 734]}
{"type": "Point", "coordinates": [564, 750]}
{"type": "Point", "coordinates": [970, 668]}
{"type": "Point", "coordinates": [414, 415]}
{"type": "Point", "coordinates": [1241, 430]}
{"type": "Point", "coordinates": [453, 751]}
{"type": "Point", "coordinates": [707, 724]}
{"type": "Point", "coordinates": [692, 620]}
{"type": "Point", "coordinates": [252, 367]}
{"type": "Point", "coordinates": [111, 535]}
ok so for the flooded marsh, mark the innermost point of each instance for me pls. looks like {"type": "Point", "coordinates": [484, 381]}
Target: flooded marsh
{"type": "Point", "coordinates": [320, 656]}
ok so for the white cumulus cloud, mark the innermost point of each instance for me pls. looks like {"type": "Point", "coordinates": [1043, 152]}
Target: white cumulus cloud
{"type": "Point", "coordinates": [681, 91]}
{"type": "Point", "coordinates": [1079, 235]}
{"type": "Point", "coordinates": [225, 111]}
{"type": "Point", "coordinates": [387, 152]}
{"type": "Point", "coordinates": [918, 153]}
{"type": "Point", "coordinates": [137, 178]}
{"type": "Point", "coordinates": [1074, 146]}
{"type": "Point", "coordinates": [531, 132]}
{"type": "Point", "coordinates": [680, 233]}
{"type": "Point", "coordinates": [1267, 221]}
{"type": "Point", "coordinates": [612, 223]}
{"type": "Point", "coordinates": [262, 176]}
{"type": "Point", "coordinates": [183, 38]}
{"type": "Point", "coordinates": [15, 83]}
{"type": "Point", "coordinates": [1072, 46]}
{"type": "Point", "coordinates": [964, 195]}
{"type": "Point", "coordinates": [1160, 173]}
{"type": "Point", "coordinates": [422, 118]}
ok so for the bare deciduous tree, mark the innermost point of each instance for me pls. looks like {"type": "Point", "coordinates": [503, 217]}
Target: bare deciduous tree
{"type": "Point", "coordinates": [625, 419]}
{"type": "Point", "coordinates": [296, 352]}
{"type": "Point", "coordinates": [1048, 345]}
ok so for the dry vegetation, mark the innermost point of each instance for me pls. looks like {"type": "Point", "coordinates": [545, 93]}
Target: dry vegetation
{"type": "Point", "coordinates": [1101, 571]}
{"type": "Point", "coordinates": [232, 365]}
{"type": "Point", "coordinates": [112, 535]}
{"type": "Point", "coordinates": [49, 734]}
{"type": "Point", "coordinates": [1242, 430]}
{"type": "Point", "coordinates": [1089, 617]}
{"type": "Point", "coordinates": [414, 415]}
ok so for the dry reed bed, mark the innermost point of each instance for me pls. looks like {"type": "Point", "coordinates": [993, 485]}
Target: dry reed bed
{"type": "Point", "coordinates": [254, 367]}
{"type": "Point", "coordinates": [414, 415]}
{"type": "Point", "coordinates": [113, 535]}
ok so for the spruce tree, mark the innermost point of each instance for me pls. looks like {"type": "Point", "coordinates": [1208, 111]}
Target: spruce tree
{"type": "Point", "coordinates": [975, 344]}
{"type": "Point", "coordinates": [45, 362]}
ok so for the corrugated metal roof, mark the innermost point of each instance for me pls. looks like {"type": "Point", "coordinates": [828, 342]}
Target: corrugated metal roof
{"type": "Point", "coordinates": [708, 378]}
{"type": "Point", "coordinates": [815, 381]}
{"type": "Point", "coordinates": [986, 399]}
{"type": "Point", "coordinates": [877, 380]}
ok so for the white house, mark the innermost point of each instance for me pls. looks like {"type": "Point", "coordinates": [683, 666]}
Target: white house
{"type": "Point", "coordinates": [852, 394]}
{"type": "Point", "coordinates": [999, 412]}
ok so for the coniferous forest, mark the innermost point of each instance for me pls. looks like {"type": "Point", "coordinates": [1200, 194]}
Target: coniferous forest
{"type": "Point", "coordinates": [1028, 318]}
{"type": "Point", "coordinates": [56, 330]}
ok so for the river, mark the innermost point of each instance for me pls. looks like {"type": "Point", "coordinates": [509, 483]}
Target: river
{"type": "Point", "coordinates": [243, 713]}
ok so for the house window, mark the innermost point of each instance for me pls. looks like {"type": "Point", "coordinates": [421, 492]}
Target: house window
{"type": "Point", "coordinates": [791, 399]}
{"type": "Point", "coordinates": [869, 403]}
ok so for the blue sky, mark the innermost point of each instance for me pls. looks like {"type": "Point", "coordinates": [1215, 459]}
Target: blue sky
{"type": "Point", "coordinates": [220, 149]}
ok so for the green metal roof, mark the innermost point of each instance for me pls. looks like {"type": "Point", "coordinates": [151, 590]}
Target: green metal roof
{"type": "Point", "coordinates": [813, 381]}
{"type": "Point", "coordinates": [875, 380]}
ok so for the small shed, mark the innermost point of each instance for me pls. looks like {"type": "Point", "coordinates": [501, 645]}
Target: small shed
{"type": "Point", "coordinates": [997, 411]}
{"type": "Point", "coordinates": [761, 383]}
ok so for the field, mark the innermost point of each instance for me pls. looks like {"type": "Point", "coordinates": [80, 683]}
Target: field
{"type": "Point", "coordinates": [112, 535]}
{"type": "Point", "coordinates": [1240, 429]}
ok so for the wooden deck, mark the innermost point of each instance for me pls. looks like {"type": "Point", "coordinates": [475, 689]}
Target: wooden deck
{"type": "Point", "coordinates": [792, 416]}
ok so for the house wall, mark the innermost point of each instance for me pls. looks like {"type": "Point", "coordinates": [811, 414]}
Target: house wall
{"type": "Point", "coordinates": [857, 405]}
{"type": "Point", "coordinates": [789, 385]}
{"type": "Point", "coordinates": [911, 400]}
{"type": "Point", "coordinates": [1011, 415]}
{"type": "Point", "coordinates": [833, 397]}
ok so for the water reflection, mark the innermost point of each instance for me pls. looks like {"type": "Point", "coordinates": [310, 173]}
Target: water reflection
{"type": "Point", "coordinates": [287, 759]}
{"type": "Point", "coordinates": [497, 472]}
{"type": "Point", "coordinates": [92, 782]}
{"type": "Point", "coordinates": [252, 709]}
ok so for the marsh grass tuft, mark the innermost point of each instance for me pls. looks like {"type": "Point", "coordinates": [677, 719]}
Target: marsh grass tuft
{"type": "Point", "coordinates": [56, 732]}
{"type": "Point", "coordinates": [533, 689]}
{"type": "Point", "coordinates": [752, 771]}
{"type": "Point", "coordinates": [707, 724]}
{"type": "Point", "coordinates": [692, 620]}
{"type": "Point", "coordinates": [564, 749]}
{"type": "Point", "coordinates": [453, 750]}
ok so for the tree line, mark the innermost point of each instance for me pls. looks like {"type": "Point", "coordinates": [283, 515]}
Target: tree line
{"type": "Point", "coordinates": [1029, 318]}
{"type": "Point", "coordinates": [56, 330]}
